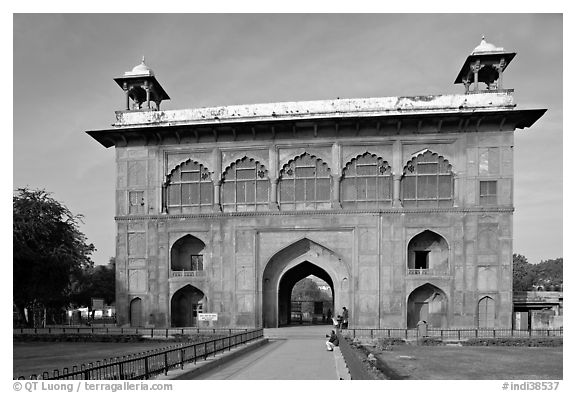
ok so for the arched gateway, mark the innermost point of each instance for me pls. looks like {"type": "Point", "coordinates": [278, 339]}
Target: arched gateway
{"type": "Point", "coordinates": [290, 265]}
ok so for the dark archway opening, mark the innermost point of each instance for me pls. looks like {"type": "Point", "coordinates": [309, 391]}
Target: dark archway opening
{"type": "Point", "coordinates": [185, 305]}
{"type": "Point", "coordinates": [286, 314]}
{"type": "Point", "coordinates": [136, 312]}
{"type": "Point", "coordinates": [186, 255]}
{"type": "Point", "coordinates": [427, 303]}
{"type": "Point", "coordinates": [311, 302]}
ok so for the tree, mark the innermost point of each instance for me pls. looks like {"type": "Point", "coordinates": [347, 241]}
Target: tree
{"type": "Point", "coordinates": [522, 273]}
{"type": "Point", "coordinates": [307, 290]}
{"type": "Point", "coordinates": [49, 251]}
{"type": "Point", "coordinates": [95, 282]}
{"type": "Point", "coordinates": [549, 274]}
{"type": "Point", "coordinates": [546, 273]}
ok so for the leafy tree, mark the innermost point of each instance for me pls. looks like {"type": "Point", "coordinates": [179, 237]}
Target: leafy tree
{"type": "Point", "coordinates": [546, 273]}
{"type": "Point", "coordinates": [307, 290]}
{"type": "Point", "coordinates": [549, 274]}
{"type": "Point", "coordinates": [49, 251]}
{"type": "Point", "coordinates": [95, 282]}
{"type": "Point", "coordinates": [522, 273]}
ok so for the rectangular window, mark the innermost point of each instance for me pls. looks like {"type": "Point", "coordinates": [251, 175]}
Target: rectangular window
{"type": "Point", "coordinates": [196, 262]}
{"type": "Point", "coordinates": [286, 191]}
{"type": "Point", "coordinates": [488, 192]}
{"type": "Point", "coordinates": [421, 259]}
{"type": "Point", "coordinates": [136, 202]}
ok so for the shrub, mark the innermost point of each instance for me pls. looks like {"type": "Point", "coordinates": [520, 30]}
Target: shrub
{"type": "Point", "coordinates": [516, 341]}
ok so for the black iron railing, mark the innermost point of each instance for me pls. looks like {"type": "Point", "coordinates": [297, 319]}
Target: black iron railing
{"type": "Point", "coordinates": [457, 334]}
{"type": "Point", "coordinates": [147, 364]}
{"type": "Point", "coordinates": [152, 332]}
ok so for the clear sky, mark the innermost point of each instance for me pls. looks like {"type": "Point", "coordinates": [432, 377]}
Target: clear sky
{"type": "Point", "coordinates": [64, 65]}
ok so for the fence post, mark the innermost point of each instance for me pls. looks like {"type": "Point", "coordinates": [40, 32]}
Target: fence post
{"type": "Point", "coordinates": [205, 350]}
{"type": "Point", "coordinates": [494, 331]}
{"type": "Point", "coordinates": [181, 358]}
{"type": "Point", "coordinates": [121, 366]}
{"type": "Point", "coordinates": [195, 353]}
{"type": "Point", "coordinates": [371, 333]}
{"type": "Point", "coordinates": [166, 363]}
{"type": "Point", "coordinates": [166, 332]}
{"type": "Point", "coordinates": [146, 368]}
{"type": "Point", "coordinates": [406, 333]}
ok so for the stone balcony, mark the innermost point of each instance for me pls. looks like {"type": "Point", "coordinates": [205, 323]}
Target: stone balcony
{"type": "Point", "coordinates": [187, 273]}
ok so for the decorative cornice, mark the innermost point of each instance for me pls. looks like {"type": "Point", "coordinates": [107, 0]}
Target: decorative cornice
{"type": "Point", "coordinates": [226, 215]}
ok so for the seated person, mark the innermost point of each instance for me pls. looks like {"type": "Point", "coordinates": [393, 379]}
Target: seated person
{"type": "Point", "coordinates": [332, 341]}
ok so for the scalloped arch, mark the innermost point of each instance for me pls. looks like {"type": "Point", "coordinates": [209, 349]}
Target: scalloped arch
{"type": "Point", "coordinates": [300, 156]}
{"type": "Point", "coordinates": [242, 159]}
{"type": "Point", "coordinates": [186, 162]}
{"type": "Point", "coordinates": [421, 153]}
{"type": "Point", "coordinates": [365, 154]}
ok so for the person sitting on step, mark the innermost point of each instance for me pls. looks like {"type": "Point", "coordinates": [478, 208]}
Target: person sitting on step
{"type": "Point", "coordinates": [332, 341]}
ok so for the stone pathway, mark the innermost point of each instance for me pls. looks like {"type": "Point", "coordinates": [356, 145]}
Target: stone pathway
{"type": "Point", "coordinates": [294, 353]}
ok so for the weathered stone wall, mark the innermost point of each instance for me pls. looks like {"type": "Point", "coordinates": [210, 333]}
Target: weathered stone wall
{"type": "Point", "coordinates": [370, 277]}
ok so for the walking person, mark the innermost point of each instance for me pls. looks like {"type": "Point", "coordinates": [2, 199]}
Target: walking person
{"type": "Point", "coordinates": [332, 341]}
{"type": "Point", "coordinates": [344, 318]}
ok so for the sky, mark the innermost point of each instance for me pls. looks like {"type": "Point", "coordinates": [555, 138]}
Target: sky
{"type": "Point", "coordinates": [64, 65]}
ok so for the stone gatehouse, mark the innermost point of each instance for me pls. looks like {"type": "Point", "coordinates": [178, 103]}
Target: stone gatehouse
{"type": "Point", "coordinates": [403, 205]}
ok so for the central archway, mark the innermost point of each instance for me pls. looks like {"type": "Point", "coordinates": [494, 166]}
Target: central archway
{"type": "Point", "coordinates": [293, 263]}
{"type": "Point", "coordinates": [287, 282]}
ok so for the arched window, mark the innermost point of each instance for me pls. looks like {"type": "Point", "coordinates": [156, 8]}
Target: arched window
{"type": "Point", "coordinates": [190, 189]}
{"type": "Point", "coordinates": [428, 254]}
{"type": "Point", "coordinates": [187, 257]}
{"type": "Point", "coordinates": [486, 313]}
{"type": "Point", "coordinates": [367, 182]}
{"type": "Point", "coordinates": [427, 182]}
{"type": "Point", "coordinates": [245, 186]}
{"type": "Point", "coordinates": [305, 184]}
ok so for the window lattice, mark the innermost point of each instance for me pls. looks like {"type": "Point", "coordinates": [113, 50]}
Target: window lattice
{"type": "Point", "coordinates": [196, 262]}
{"type": "Point", "coordinates": [488, 192]}
{"type": "Point", "coordinates": [305, 183]}
{"type": "Point", "coordinates": [367, 181]}
{"type": "Point", "coordinates": [427, 182]}
{"type": "Point", "coordinates": [189, 185]}
{"type": "Point", "coordinates": [245, 186]}
{"type": "Point", "coordinates": [136, 202]}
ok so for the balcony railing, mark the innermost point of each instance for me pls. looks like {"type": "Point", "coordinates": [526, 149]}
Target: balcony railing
{"type": "Point", "coordinates": [427, 272]}
{"type": "Point", "coordinates": [187, 273]}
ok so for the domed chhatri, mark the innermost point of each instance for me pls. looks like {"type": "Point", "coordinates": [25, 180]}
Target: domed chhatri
{"type": "Point", "coordinates": [142, 88]}
{"type": "Point", "coordinates": [486, 47]}
{"type": "Point", "coordinates": [486, 64]}
{"type": "Point", "coordinates": [140, 69]}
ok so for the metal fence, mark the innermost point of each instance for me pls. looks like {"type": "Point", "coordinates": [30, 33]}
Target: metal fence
{"type": "Point", "coordinates": [151, 332]}
{"type": "Point", "coordinates": [452, 334]}
{"type": "Point", "coordinates": [147, 364]}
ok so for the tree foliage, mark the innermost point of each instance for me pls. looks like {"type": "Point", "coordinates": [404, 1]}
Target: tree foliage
{"type": "Point", "coordinates": [527, 276]}
{"type": "Point", "coordinates": [95, 282]}
{"type": "Point", "coordinates": [49, 250]}
{"type": "Point", "coordinates": [307, 290]}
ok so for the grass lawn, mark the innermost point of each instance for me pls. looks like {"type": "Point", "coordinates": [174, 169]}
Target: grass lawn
{"type": "Point", "coordinates": [448, 362]}
{"type": "Point", "coordinates": [36, 357]}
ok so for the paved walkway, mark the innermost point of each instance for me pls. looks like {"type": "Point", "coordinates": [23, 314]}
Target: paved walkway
{"type": "Point", "coordinates": [293, 353]}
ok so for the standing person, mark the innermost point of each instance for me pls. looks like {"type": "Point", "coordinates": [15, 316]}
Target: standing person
{"type": "Point", "coordinates": [344, 318]}
{"type": "Point", "coordinates": [332, 341]}
{"type": "Point", "coordinates": [329, 316]}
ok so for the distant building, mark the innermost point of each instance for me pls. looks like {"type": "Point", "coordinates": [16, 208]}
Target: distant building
{"type": "Point", "coordinates": [403, 205]}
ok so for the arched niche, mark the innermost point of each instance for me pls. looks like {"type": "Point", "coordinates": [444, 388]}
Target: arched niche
{"type": "Point", "coordinates": [187, 254]}
{"type": "Point", "coordinates": [428, 253]}
{"type": "Point", "coordinates": [427, 303]}
{"type": "Point", "coordinates": [185, 305]}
